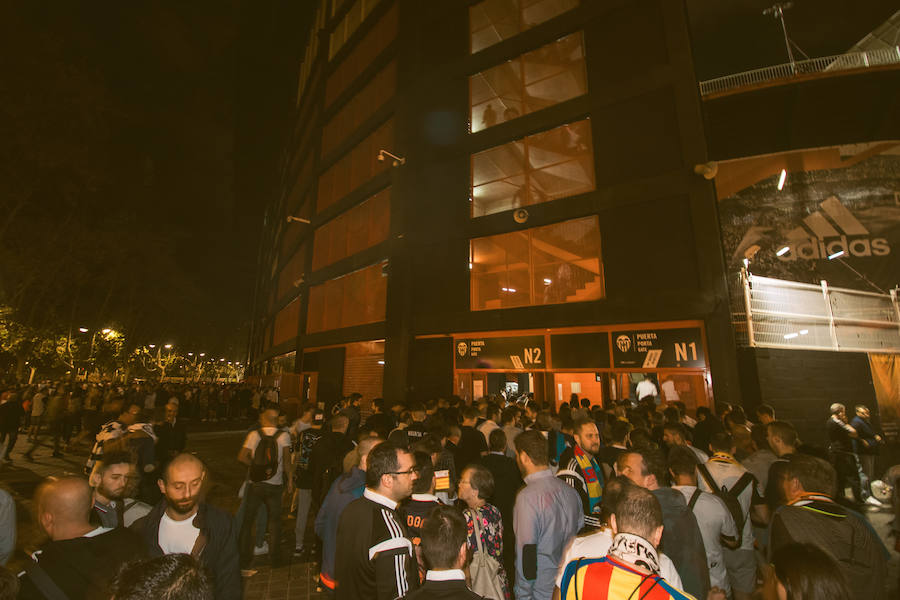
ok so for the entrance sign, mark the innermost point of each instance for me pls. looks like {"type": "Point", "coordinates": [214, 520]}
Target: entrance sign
{"type": "Point", "coordinates": [659, 348]}
{"type": "Point", "coordinates": [520, 352]}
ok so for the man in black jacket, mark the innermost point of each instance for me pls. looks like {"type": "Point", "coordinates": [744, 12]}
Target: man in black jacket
{"type": "Point", "coordinates": [80, 559]}
{"type": "Point", "coordinates": [326, 458]}
{"type": "Point", "coordinates": [507, 482]}
{"type": "Point", "coordinates": [374, 558]}
{"type": "Point", "coordinates": [171, 436]}
{"type": "Point", "coordinates": [183, 524]}
{"type": "Point", "coordinates": [444, 546]}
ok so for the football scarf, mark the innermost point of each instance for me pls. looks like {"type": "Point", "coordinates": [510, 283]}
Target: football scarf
{"type": "Point", "coordinates": [635, 550]}
{"type": "Point", "coordinates": [593, 477]}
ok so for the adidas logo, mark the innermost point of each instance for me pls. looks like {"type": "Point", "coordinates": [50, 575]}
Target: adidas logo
{"type": "Point", "coordinates": [831, 230]}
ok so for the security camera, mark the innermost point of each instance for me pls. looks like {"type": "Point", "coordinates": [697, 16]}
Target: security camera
{"type": "Point", "coordinates": [293, 219]}
{"type": "Point", "coordinates": [520, 215]}
{"type": "Point", "coordinates": [708, 169]}
{"type": "Point", "coordinates": [298, 282]}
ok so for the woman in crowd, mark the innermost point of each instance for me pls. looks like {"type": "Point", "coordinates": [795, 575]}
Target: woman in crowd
{"type": "Point", "coordinates": [476, 485]}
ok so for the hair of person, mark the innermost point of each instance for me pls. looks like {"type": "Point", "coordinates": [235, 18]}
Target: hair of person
{"type": "Point", "coordinates": [544, 420]}
{"type": "Point", "coordinates": [493, 412]}
{"type": "Point", "coordinates": [497, 440]}
{"type": "Point", "coordinates": [339, 422]}
{"type": "Point", "coordinates": [619, 431]}
{"type": "Point", "coordinates": [442, 535]}
{"type": "Point", "coordinates": [481, 480]}
{"type": "Point", "coordinates": [585, 403]}
{"type": "Point", "coordinates": [566, 423]}
{"type": "Point", "coordinates": [469, 413]}
{"type": "Point", "coordinates": [737, 415]}
{"type": "Point", "coordinates": [860, 407]}
{"type": "Point", "coordinates": [641, 439]}
{"type": "Point", "coordinates": [126, 406]}
{"type": "Point", "coordinates": [814, 474]}
{"type": "Point", "coordinates": [508, 415]}
{"type": "Point", "coordinates": [765, 409]}
{"type": "Point", "coordinates": [454, 431]}
{"type": "Point", "coordinates": [383, 460]}
{"type": "Point", "coordinates": [424, 471]}
{"type": "Point", "coordinates": [809, 573]}
{"type": "Point", "coordinates": [785, 432]}
{"type": "Point", "coordinates": [416, 407]}
{"type": "Point", "coordinates": [9, 584]}
{"type": "Point", "coordinates": [676, 428]}
{"type": "Point", "coordinates": [655, 464]}
{"type": "Point", "coordinates": [682, 460]}
{"type": "Point", "coordinates": [672, 414]}
{"type": "Point", "coordinates": [167, 577]}
{"type": "Point", "coordinates": [612, 491]}
{"type": "Point", "coordinates": [581, 424]}
{"type": "Point", "coordinates": [107, 460]}
{"type": "Point", "coordinates": [427, 444]}
{"type": "Point", "coordinates": [638, 511]}
{"type": "Point", "coordinates": [379, 404]}
{"type": "Point", "coordinates": [534, 445]}
{"type": "Point", "coordinates": [721, 442]}
{"type": "Point", "coordinates": [758, 435]}
{"type": "Point", "coordinates": [621, 461]}
{"type": "Point", "coordinates": [722, 408]}
{"type": "Point", "coordinates": [704, 411]}
{"type": "Point", "coordinates": [836, 408]}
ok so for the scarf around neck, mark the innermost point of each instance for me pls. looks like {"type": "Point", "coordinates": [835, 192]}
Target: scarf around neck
{"type": "Point", "coordinates": [593, 478]}
{"type": "Point", "coordinates": [636, 550]}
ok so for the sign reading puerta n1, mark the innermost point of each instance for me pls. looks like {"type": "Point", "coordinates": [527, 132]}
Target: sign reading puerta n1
{"type": "Point", "coordinates": [519, 352]}
{"type": "Point", "coordinates": [838, 221]}
{"type": "Point", "coordinates": [659, 348]}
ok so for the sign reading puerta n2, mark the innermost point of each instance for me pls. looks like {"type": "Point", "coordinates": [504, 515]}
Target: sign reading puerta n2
{"type": "Point", "coordinates": [658, 348]}
{"type": "Point", "coordinates": [520, 352]}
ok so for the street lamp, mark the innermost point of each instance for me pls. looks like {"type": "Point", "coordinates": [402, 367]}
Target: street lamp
{"type": "Point", "coordinates": [168, 346]}
{"type": "Point", "coordinates": [151, 346]}
{"type": "Point", "coordinates": [106, 331]}
{"type": "Point", "coordinates": [83, 329]}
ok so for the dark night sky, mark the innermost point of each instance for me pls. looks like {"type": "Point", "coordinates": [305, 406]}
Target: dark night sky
{"type": "Point", "coordinates": [173, 113]}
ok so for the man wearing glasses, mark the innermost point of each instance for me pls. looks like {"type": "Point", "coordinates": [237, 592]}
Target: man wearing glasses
{"type": "Point", "coordinates": [374, 556]}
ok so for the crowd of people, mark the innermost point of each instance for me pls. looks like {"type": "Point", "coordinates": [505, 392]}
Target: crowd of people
{"type": "Point", "coordinates": [496, 499]}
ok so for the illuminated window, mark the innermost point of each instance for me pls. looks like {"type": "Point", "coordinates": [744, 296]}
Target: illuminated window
{"type": "Point", "coordinates": [362, 55]}
{"type": "Point", "coordinates": [493, 21]}
{"type": "Point", "coordinates": [361, 227]}
{"type": "Point", "coordinates": [553, 264]}
{"type": "Point", "coordinates": [539, 168]}
{"type": "Point", "coordinates": [533, 81]}
{"type": "Point", "coordinates": [355, 168]}
{"type": "Point", "coordinates": [363, 105]}
{"type": "Point", "coordinates": [353, 299]}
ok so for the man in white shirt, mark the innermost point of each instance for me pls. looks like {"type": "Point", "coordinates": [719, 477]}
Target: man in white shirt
{"type": "Point", "coordinates": [646, 388]}
{"type": "Point", "coordinates": [716, 524]}
{"type": "Point", "coordinates": [492, 415]}
{"type": "Point", "coordinates": [266, 450]}
{"type": "Point", "coordinates": [726, 472]}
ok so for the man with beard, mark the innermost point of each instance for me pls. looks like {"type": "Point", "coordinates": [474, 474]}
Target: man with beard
{"type": "Point", "coordinates": [579, 468]}
{"type": "Point", "coordinates": [109, 480]}
{"type": "Point", "coordinates": [182, 523]}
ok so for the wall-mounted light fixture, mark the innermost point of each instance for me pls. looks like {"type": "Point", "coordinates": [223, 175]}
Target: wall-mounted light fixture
{"type": "Point", "coordinates": [398, 160]}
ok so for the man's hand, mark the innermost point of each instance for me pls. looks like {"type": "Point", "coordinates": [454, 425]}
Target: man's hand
{"type": "Point", "coordinates": [716, 593]}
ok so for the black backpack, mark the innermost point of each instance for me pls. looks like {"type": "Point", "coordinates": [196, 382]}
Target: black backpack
{"type": "Point", "coordinates": [730, 497]}
{"type": "Point", "coordinates": [265, 458]}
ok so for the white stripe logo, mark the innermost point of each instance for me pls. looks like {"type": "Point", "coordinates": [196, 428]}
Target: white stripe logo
{"type": "Point", "coordinates": [831, 230]}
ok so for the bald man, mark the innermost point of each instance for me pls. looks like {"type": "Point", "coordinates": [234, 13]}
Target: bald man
{"type": "Point", "coordinates": [80, 559]}
{"type": "Point", "coordinates": [183, 523]}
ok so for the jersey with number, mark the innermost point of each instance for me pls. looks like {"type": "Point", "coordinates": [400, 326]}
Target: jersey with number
{"type": "Point", "coordinates": [414, 512]}
{"type": "Point", "coordinates": [609, 579]}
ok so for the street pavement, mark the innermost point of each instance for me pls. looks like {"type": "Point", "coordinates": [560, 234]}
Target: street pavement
{"type": "Point", "coordinates": [219, 451]}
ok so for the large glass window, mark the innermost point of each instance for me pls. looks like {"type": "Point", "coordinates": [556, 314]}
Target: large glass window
{"type": "Point", "coordinates": [535, 80]}
{"type": "Point", "coordinates": [362, 55]}
{"type": "Point", "coordinates": [493, 21]}
{"type": "Point", "coordinates": [539, 168]}
{"type": "Point", "coordinates": [351, 232]}
{"type": "Point", "coordinates": [356, 167]}
{"type": "Point", "coordinates": [553, 264]}
{"type": "Point", "coordinates": [362, 106]}
{"type": "Point", "coordinates": [353, 299]}
{"type": "Point", "coordinates": [286, 323]}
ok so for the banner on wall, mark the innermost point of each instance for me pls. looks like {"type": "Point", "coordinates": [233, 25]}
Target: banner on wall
{"type": "Point", "coordinates": [514, 353]}
{"type": "Point", "coordinates": [659, 348]}
{"type": "Point", "coordinates": [840, 223]}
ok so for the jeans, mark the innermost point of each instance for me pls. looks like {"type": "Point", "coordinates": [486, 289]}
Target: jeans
{"type": "Point", "coordinates": [257, 495]}
{"type": "Point", "coordinates": [304, 499]}
{"type": "Point", "coordinates": [260, 518]}
{"type": "Point", "coordinates": [10, 437]}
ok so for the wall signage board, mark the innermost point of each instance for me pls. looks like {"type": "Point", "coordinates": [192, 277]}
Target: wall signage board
{"type": "Point", "coordinates": [659, 348]}
{"type": "Point", "coordinates": [520, 352]}
{"type": "Point", "coordinates": [580, 350]}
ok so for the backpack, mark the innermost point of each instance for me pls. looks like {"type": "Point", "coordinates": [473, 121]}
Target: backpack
{"type": "Point", "coordinates": [265, 458]}
{"type": "Point", "coordinates": [730, 497]}
{"type": "Point", "coordinates": [484, 569]}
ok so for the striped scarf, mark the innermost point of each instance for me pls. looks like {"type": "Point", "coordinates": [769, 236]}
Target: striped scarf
{"type": "Point", "coordinates": [593, 477]}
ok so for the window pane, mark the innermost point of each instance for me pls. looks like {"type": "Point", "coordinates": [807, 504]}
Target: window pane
{"type": "Point", "coordinates": [363, 105]}
{"type": "Point", "coordinates": [354, 168]}
{"type": "Point", "coordinates": [540, 168]}
{"type": "Point", "coordinates": [359, 228]}
{"type": "Point", "coordinates": [536, 80]}
{"type": "Point", "coordinates": [553, 264]}
{"type": "Point", "coordinates": [493, 21]}
{"type": "Point", "coordinates": [353, 299]}
{"type": "Point", "coordinates": [286, 323]}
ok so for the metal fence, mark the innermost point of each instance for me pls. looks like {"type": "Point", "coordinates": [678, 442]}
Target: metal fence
{"type": "Point", "coordinates": [840, 62]}
{"type": "Point", "coordinates": [787, 314]}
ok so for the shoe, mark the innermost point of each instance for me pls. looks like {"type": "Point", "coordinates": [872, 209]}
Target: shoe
{"type": "Point", "coordinates": [248, 572]}
{"type": "Point", "coordinates": [874, 501]}
{"type": "Point", "coordinates": [260, 550]}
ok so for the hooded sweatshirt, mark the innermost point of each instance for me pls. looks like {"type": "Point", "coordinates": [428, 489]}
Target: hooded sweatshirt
{"type": "Point", "coordinates": [345, 490]}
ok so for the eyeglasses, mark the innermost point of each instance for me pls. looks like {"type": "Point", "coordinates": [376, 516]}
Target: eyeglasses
{"type": "Point", "coordinates": [407, 472]}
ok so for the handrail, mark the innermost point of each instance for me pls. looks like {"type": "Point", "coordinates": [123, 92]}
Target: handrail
{"type": "Point", "coordinates": [838, 62]}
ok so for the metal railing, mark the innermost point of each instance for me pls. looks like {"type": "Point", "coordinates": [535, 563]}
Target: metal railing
{"type": "Point", "coordinates": [788, 314]}
{"type": "Point", "coordinates": [840, 62]}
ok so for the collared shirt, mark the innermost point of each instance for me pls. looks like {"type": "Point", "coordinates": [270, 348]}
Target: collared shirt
{"type": "Point", "coordinates": [447, 575]}
{"type": "Point", "coordinates": [546, 515]}
{"type": "Point", "coordinates": [109, 514]}
{"type": "Point", "coordinates": [376, 497]}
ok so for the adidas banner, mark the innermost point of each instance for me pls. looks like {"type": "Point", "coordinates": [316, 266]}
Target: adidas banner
{"type": "Point", "coordinates": [836, 216]}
